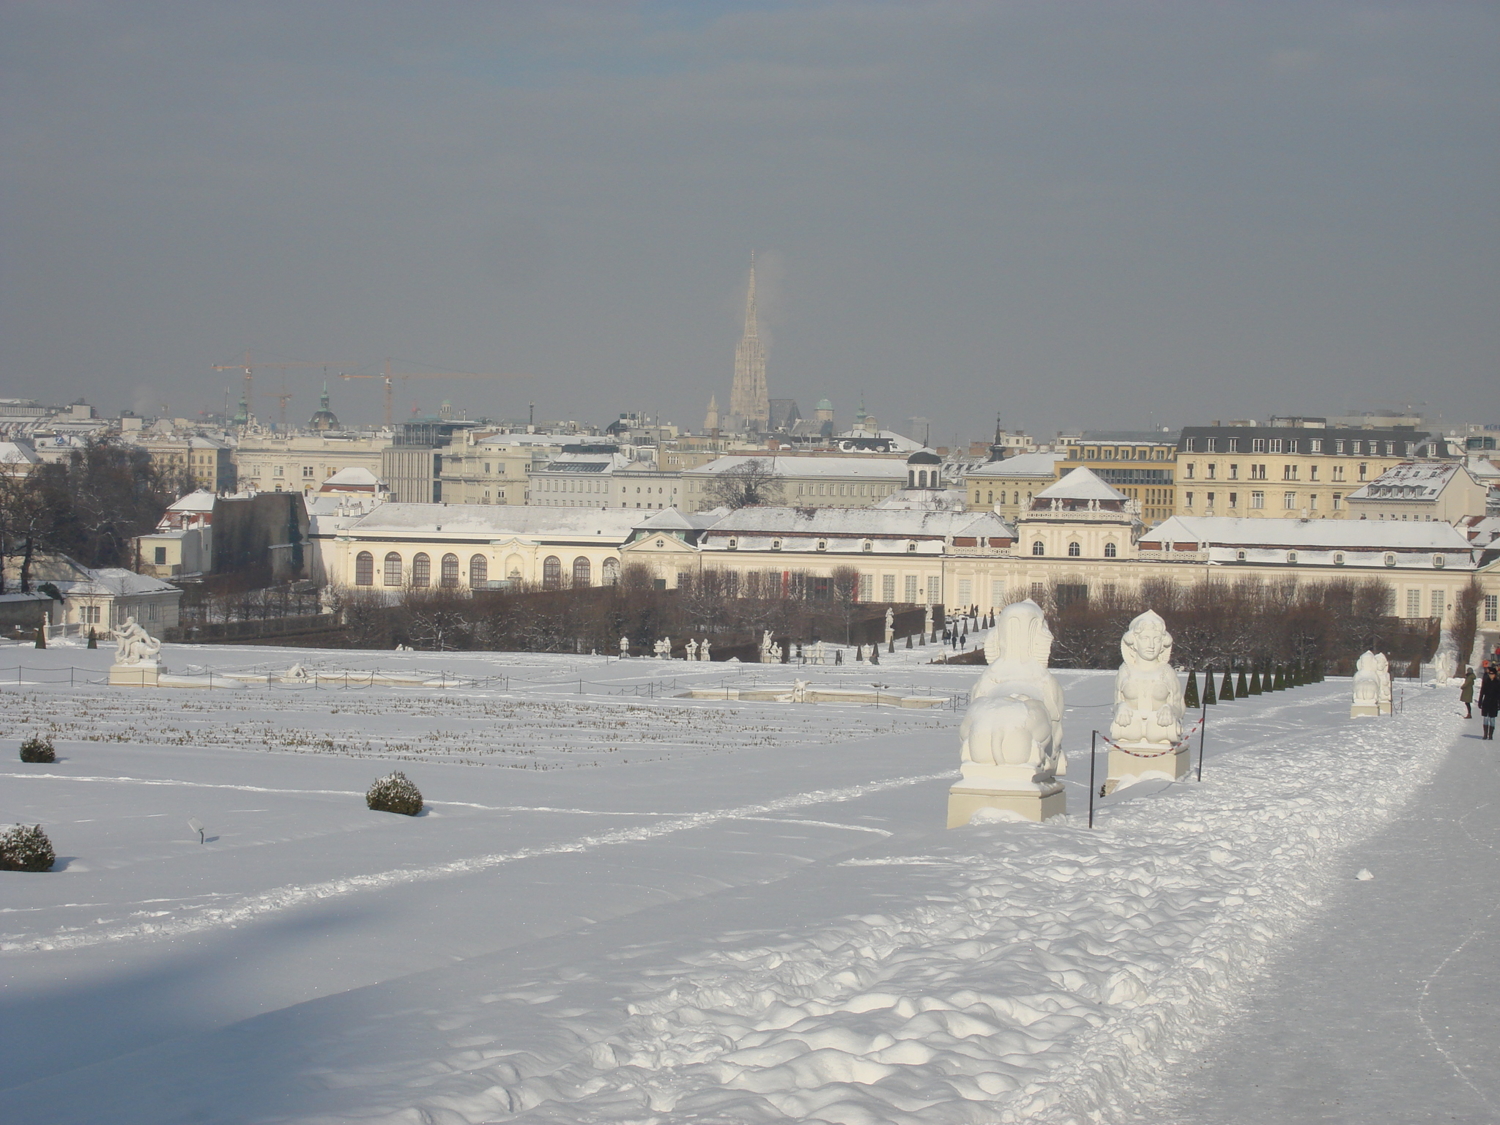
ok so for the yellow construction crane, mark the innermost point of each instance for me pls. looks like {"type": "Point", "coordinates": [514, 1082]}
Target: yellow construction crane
{"type": "Point", "coordinates": [247, 367]}
{"type": "Point", "coordinates": [389, 377]}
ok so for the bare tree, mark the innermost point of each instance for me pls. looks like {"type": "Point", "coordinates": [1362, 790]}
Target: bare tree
{"type": "Point", "coordinates": [752, 483]}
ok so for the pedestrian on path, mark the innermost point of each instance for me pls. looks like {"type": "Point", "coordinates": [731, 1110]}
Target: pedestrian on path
{"type": "Point", "coordinates": [1466, 693]}
{"type": "Point", "coordinates": [1489, 701]}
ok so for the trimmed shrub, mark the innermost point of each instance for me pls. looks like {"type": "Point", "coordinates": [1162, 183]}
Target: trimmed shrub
{"type": "Point", "coordinates": [1256, 686]}
{"type": "Point", "coordinates": [394, 794]}
{"type": "Point", "coordinates": [1190, 695]}
{"type": "Point", "coordinates": [24, 848]}
{"type": "Point", "coordinates": [38, 749]}
{"type": "Point", "coordinates": [1226, 689]}
{"type": "Point", "coordinates": [1241, 686]}
{"type": "Point", "coordinates": [1209, 698]}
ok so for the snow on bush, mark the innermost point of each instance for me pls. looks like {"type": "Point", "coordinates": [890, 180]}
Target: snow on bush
{"type": "Point", "coordinates": [24, 848]}
{"type": "Point", "coordinates": [395, 794]}
{"type": "Point", "coordinates": [38, 749]}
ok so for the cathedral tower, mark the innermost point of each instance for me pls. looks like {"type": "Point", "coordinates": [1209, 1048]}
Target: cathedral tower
{"type": "Point", "coordinates": [749, 402]}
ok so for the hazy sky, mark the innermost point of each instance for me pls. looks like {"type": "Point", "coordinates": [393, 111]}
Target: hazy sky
{"type": "Point", "coordinates": [1073, 214]}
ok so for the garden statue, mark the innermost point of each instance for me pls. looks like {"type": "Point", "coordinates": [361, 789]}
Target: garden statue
{"type": "Point", "coordinates": [1147, 725]}
{"type": "Point", "coordinates": [1366, 686]}
{"type": "Point", "coordinates": [890, 624]}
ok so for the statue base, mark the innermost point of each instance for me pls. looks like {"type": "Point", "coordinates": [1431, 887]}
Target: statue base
{"type": "Point", "coordinates": [1126, 769]}
{"type": "Point", "coordinates": [1385, 706]}
{"type": "Point", "coordinates": [1036, 801]}
{"type": "Point", "coordinates": [1359, 710]}
{"type": "Point", "coordinates": [147, 674]}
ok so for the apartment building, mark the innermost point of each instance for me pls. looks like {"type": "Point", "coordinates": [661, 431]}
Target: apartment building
{"type": "Point", "coordinates": [1141, 464]}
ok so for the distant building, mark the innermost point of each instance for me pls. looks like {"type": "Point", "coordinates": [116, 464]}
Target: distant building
{"type": "Point", "coordinates": [1420, 490]}
{"type": "Point", "coordinates": [1010, 485]}
{"type": "Point", "coordinates": [807, 481]}
{"type": "Point", "coordinates": [1141, 464]}
{"type": "Point", "coordinates": [749, 401]}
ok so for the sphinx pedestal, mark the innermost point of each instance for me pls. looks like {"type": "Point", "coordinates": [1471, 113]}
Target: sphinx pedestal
{"type": "Point", "coordinates": [1127, 768]}
{"type": "Point", "coordinates": [1363, 710]}
{"type": "Point", "coordinates": [1385, 706]}
{"type": "Point", "coordinates": [1009, 789]}
{"type": "Point", "coordinates": [144, 674]}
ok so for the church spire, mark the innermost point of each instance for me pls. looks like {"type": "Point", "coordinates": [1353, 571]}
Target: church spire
{"type": "Point", "coordinates": [752, 317]}
{"type": "Point", "coordinates": [749, 402]}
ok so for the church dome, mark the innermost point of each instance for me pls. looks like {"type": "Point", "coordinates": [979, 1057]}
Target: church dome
{"type": "Point", "coordinates": [924, 457]}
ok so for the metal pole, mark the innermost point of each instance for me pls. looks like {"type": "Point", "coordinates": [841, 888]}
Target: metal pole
{"type": "Point", "coordinates": [1093, 742]}
{"type": "Point", "coordinates": [1202, 734]}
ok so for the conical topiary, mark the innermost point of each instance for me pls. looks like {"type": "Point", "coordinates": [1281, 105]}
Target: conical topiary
{"type": "Point", "coordinates": [1226, 689]}
{"type": "Point", "coordinates": [1279, 683]}
{"type": "Point", "coordinates": [394, 794]}
{"type": "Point", "coordinates": [41, 636]}
{"type": "Point", "coordinates": [26, 848]}
{"type": "Point", "coordinates": [1241, 686]}
{"type": "Point", "coordinates": [93, 638]}
{"type": "Point", "coordinates": [1256, 687]}
{"type": "Point", "coordinates": [1209, 698]}
{"type": "Point", "coordinates": [1190, 694]}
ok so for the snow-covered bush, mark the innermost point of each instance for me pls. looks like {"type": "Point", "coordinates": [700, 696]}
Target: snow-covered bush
{"type": "Point", "coordinates": [394, 794]}
{"type": "Point", "coordinates": [26, 848]}
{"type": "Point", "coordinates": [38, 748]}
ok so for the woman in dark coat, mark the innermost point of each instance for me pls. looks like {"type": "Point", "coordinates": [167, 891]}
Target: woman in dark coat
{"type": "Point", "coordinates": [1489, 700]}
{"type": "Point", "coordinates": [1466, 693]}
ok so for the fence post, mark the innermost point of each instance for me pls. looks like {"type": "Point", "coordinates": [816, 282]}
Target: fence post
{"type": "Point", "coordinates": [1093, 744]}
{"type": "Point", "coordinates": [1202, 734]}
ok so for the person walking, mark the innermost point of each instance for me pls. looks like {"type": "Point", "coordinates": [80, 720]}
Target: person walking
{"type": "Point", "coordinates": [1489, 700]}
{"type": "Point", "coordinates": [1466, 693]}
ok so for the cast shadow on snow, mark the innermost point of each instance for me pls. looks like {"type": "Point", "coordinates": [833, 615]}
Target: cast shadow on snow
{"type": "Point", "coordinates": [103, 1019]}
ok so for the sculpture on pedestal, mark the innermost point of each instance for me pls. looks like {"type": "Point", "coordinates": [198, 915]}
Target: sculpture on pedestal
{"type": "Point", "coordinates": [1383, 669]}
{"type": "Point", "coordinates": [624, 647]}
{"type": "Point", "coordinates": [1147, 724]}
{"type": "Point", "coordinates": [1367, 686]}
{"type": "Point", "coordinates": [703, 649]}
{"type": "Point", "coordinates": [691, 648]}
{"type": "Point", "coordinates": [137, 657]}
{"type": "Point", "coordinates": [1011, 735]}
{"type": "Point", "coordinates": [1445, 660]}
{"type": "Point", "coordinates": [890, 625]}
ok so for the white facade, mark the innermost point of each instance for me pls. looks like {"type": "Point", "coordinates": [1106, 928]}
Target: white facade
{"type": "Point", "coordinates": [808, 481]}
{"type": "Point", "coordinates": [1420, 490]}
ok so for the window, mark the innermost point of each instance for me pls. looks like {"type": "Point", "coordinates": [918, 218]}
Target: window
{"type": "Point", "coordinates": [1208, 498]}
{"type": "Point", "coordinates": [1338, 447]}
{"type": "Point", "coordinates": [1187, 445]}
{"type": "Point", "coordinates": [88, 615]}
{"type": "Point", "coordinates": [1291, 557]}
{"type": "Point", "coordinates": [159, 556]}
{"type": "Point", "coordinates": [1414, 603]}
{"type": "Point", "coordinates": [1110, 551]}
{"type": "Point", "coordinates": [775, 544]}
{"type": "Point", "coordinates": [450, 572]}
{"type": "Point", "coordinates": [1312, 472]}
{"type": "Point", "coordinates": [1257, 445]}
{"type": "Point", "coordinates": [1315, 445]}
{"type": "Point", "coordinates": [583, 572]}
{"type": "Point", "coordinates": [1291, 445]}
{"type": "Point", "coordinates": [1038, 549]}
{"type": "Point", "coordinates": [1213, 470]}
{"type": "Point", "coordinates": [1312, 502]}
{"type": "Point", "coordinates": [364, 569]}
{"type": "Point", "coordinates": [911, 588]}
{"type": "Point", "coordinates": [911, 546]}
{"type": "Point", "coordinates": [421, 570]}
{"type": "Point", "coordinates": [1289, 472]}
{"type": "Point", "coordinates": [867, 587]}
{"type": "Point", "coordinates": [1356, 447]}
{"type": "Point", "coordinates": [1363, 470]}
{"type": "Point", "coordinates": [1437, 603]}
{"type": "Point", "coordinates": [1192, 469]}
{"type": "Point", "coordinates": [887, 587]}
{"type": "Point", "coordinates": [1275, 445]}
{"type": "Point", "coordinates": [822, 544]}
{"type": "Point", "coordinates": [1213, 445]}
{"type": "Point", "coordinates": [1074, 550]}
{"type": "Point", "coordinates": [392, 576]}
{"type": "Point", "coordinates": [1234, 445]}
{"type": "Point", "coordinates": [1239, 556]}
{"type": "Point", "coordinates": [1338, 558]}
{"type": "Point", "coordinates": [479, 572]}
{"type": "Point", "coordinates": [551, 572]}
{"type": "Point", "coordinates": [307, 471]}
{"type": "Point", "coordinates": [1289, 500]}
{"type": "Point", "coordinates": [611, 572]}
{"type": "Point", "coordinates": [934, 590]}
{"type": "Point", "coordinates": [1389, 560]}
{"type": "Point", "coordinates": [965, 591]}
{"type": "Point", "coordinates": [1234, 471]}
{"type": "Point", "coordinates": [278, 471]}
{"type": "Point", "coordinates": [1257, 472]}
{"type": "Point", "coordinates": [1491, 607]}
{"type": "Point", "coordinates": [734, 544]}
{"type": "Point", "coordinates": [1257, 500]}
{"type": "Point", "coordinates": [1187, 499]}
{"type": "Point", "coordinates": [1234, 499]}
{"type": "Point", "coordinates": [1338, 501]}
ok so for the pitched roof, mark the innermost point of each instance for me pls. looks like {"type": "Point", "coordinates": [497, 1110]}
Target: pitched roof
{"type": "Point", "coordinates": [1021, 465]}
{"type": "Point", "coordinates": [1081, 484]}
{"type": "Point", "coordinates": [496, 521]}
{"type": "Point", "coordinates": [1233, 531]}
{"type": "Point", "coordinates": [1412, 480]}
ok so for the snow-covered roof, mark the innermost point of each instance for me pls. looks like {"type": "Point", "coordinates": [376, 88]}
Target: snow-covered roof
{"type": "Point", "coordinates": [670, 519]}
{"type": "Point", "coordinates": [1411, 480]}
{"type": "Point", "coordinates": [1022, 465]}
{"type": "Point", "coordinates": [1081, 484]}
{"type": "Point", "coordinates": [899, 443]}
{"type": "Point", "coordinates": [1374, 535]}
{"type": "Point", "coordinates": [495, 521]}
{"type": "Point", "coordinates": [200, 500]}
{"type": "Point", "coordinates": [870, 467]}
{"type": "Point", "coordinates": [926, 499]}
{"type": "Point", "coordinates": [354, 476]}
{"type": "Point", "coordinates": [861, 522]}
{"type": "Point", "coordinates": [17, 453]}
{"type": "Point", "coordinates": [586, 463]}
{"type": "Point", "coordinates": [115, 582]}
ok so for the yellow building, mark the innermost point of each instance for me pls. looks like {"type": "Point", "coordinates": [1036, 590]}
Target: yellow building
{"type": "Point", "coordinates": [1009, 486]}
{"type": "Point", "coordinates": [1300, 470]}
{"type": "Point", "coordinates": [1142, 465]}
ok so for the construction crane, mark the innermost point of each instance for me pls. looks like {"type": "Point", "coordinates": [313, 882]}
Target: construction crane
{"type": "Point", "coordinates": [282, 398]}
{"type": "Point", "coordinates": [247, 367]}
{"type": "Point", "coordinates": [389, 377]}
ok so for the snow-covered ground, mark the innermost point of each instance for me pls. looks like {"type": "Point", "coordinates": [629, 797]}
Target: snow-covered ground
{"type": "Point", "coordinates": [623, 905]}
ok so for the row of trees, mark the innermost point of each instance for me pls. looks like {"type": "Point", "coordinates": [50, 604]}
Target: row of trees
{"type": "Point", "coordinates": [89, 506]}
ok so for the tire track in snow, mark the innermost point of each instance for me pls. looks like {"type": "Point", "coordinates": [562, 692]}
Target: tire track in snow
{"type": "Point", "coordinates": [256, 905]}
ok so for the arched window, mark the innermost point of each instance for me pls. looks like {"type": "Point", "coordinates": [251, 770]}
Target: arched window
{"type": "Point", "coordinates": [1110, 551]}
{"type": "Point", "coordinates": [393, 569]}
{"type": "Point", "coordinates": [911, 478]}
{"type": "Point", "coordinates": [1074, 550]}
{"type": "Point", "coordinates": [450, 572]}
{"type": "Point", "coordinates": [421, 570]}
{"type": "Point", "coordinates": [922, 479]}
{"type": "Point", "coordinates": [479, 573]}
{"type": "Point", "coordinates": [551, 572]}
{"type": "Point", "coordinates": [583, 572]}
{"type": "Point", "coordinates": [1038, 549]}
{"type": "Point", "coordinates": [611, 572]}
{"type": "Point", "coordinates": [364, 569]}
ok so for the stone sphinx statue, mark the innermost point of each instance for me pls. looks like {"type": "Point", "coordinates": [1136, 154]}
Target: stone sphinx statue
{"type": "Point", "coordinates": [1445, 660]}
{"type": "Point", "coordinates": [133, 645]}
{"type": "Point", "coordinates": [1148, 696]}
{"type": "Point", "coordinates": [1383, 670]}
{"type": "Point", "coordinates": [1012, 733]}
{"type": "Point", "coordinates": [1367, 686]}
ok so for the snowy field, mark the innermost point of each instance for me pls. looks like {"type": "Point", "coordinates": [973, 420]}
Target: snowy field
{"type": "Point", "coordinates": [623, 905]}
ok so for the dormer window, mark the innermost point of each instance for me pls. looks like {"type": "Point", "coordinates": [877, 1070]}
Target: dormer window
{"type": "Point", "coordinates": [734, 544]}
{"type": "Point", "coordinates": [911, 547]}
{"type": "Point", "coordinates": [1239, 556]}
{"type": "Point", "coordinates": [775, 544]}
{"type": "Point", "coordinates": [1291, 556]}
{"type": "Point", "coordinates": [1439, 561]}
{"type": "Point", "coordinates": [868, 546]}
{"type": "Point", "coordinates": [1338, 558]}
{"type": "Point", "coordinates": [1390, 560]}
{"type": "Point", "coordinates": [822, 544]}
